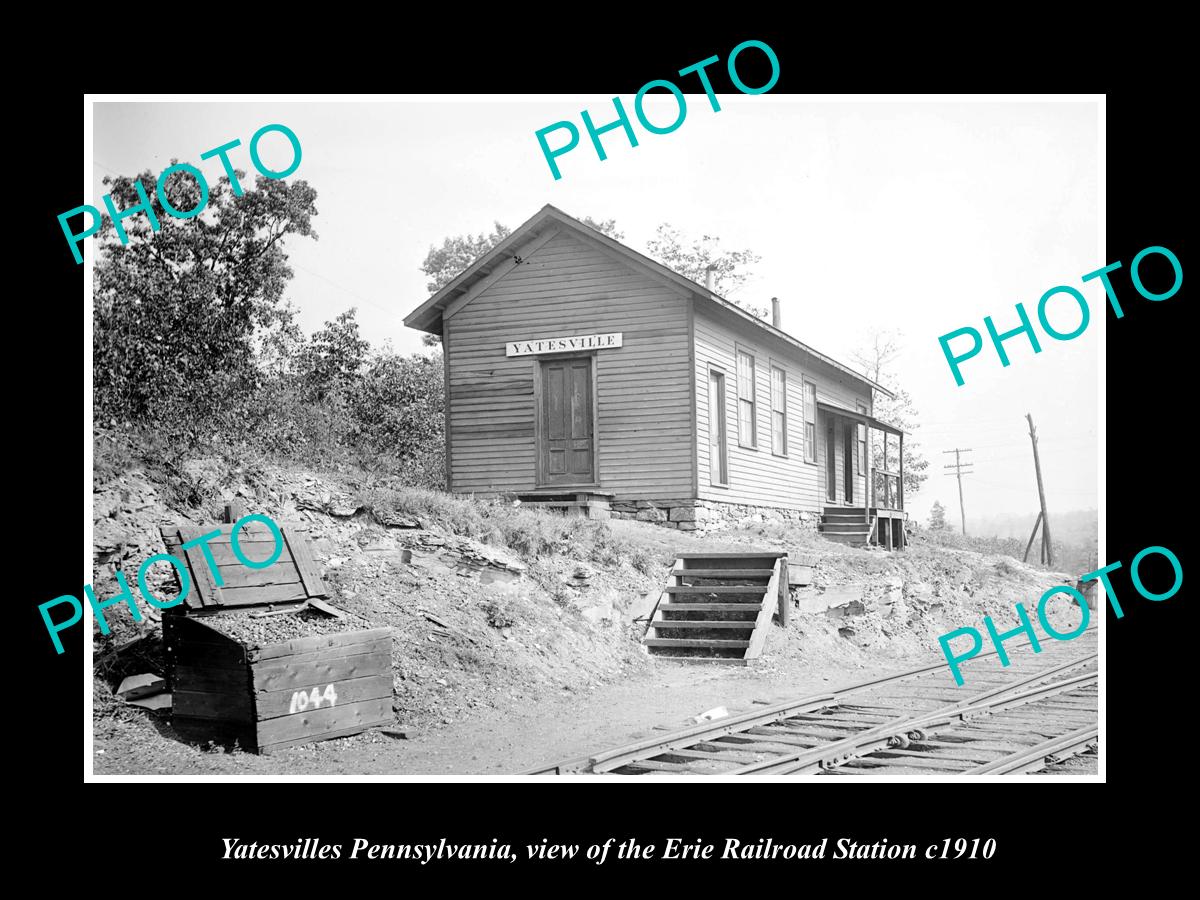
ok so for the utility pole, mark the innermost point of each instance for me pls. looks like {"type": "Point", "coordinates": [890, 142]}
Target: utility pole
{"type": "Point", "coordinates": [960, 468]}
{"type": "Point", "coordinates": [1043, 518]}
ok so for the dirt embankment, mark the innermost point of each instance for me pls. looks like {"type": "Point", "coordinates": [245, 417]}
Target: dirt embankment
{"type": "Point", "coordinates": [509, 625]}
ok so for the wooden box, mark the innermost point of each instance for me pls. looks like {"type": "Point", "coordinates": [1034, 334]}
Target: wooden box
{"type": "Point", "coordinates": [267, 694]}
{"type": "Point", "coordinates": [275, 696]}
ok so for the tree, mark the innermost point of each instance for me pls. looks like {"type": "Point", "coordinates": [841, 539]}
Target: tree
{"type": "Point", "coordinates": [397, 411]}
{"type": "Point", "coordinates": [937, 516]}
{"type": "Point", "coordinates": [443, 264]}
{"type": "Point", "coordinates": [692, 258]}
{"type": "Point", "coordinates": [876, 360]}
{"type": "Point", "coordinates": [607, 226]}
{"type": "Point", "coordinates": [178, 310]}
{"type": "Point", "coordinates": [333, 357]}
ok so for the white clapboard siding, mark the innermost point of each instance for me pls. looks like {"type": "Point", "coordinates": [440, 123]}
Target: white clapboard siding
{"type": "Point", "coordinates": [758, 477]}
{"type": "Point", "coordinates": [568, 287]}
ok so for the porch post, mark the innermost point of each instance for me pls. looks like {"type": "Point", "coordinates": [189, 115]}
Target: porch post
{"type": "Point", "coordinates": [887, 485]}
{"type": "Point", "coordinates": [870, 491]}
{"type": "Point", "coordinates": [902, 470]}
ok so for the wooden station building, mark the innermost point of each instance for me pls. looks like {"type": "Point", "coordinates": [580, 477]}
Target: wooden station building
{"type": "Point", "coordinates": [582, 373]}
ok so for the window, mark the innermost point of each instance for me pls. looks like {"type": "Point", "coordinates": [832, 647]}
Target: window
{"type": "Point", "coordinates": [778, 411]}
{"type": "Point", "coordinates": [718, 466]}
{"type": "Point", "coordinates": [747, 433]}
{"type": "Point", "coordinates": [810, 421]}
{"type": "Point", "coordinates": [862, 443]}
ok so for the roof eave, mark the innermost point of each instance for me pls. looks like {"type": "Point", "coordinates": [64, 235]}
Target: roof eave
{"type": "Point", "coordinates": [429, 314]}
{"type": "Point", "coordinates": [828, 360]}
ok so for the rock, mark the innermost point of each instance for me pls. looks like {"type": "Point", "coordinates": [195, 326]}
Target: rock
{"type": "Point", "coordinates": [155, 702]}
{"type": "Point", "coordinates": [651, 514]}
{"type": "Point", "coordinates": [136, 686]}
{"type": "Point", "coordinates": [598, 612]}
{"type": "Point", "coordinates": [843, 596]}
{"type": "Point", "coordinates": [719, 712]}
{"type": "Point", "coordinates": [391, 519]}
{"type": "Point", "coordinates": [683, 514]}
{"type": "Point", "coordinates": [917, 592]}
{"type": "Point", "coordinates": [639, 606]}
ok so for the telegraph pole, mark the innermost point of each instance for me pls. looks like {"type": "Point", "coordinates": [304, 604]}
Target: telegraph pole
{"type": "Point", "coordinates": [960, 468]}
{"type": "Point", "coordinates": [1047, 546]}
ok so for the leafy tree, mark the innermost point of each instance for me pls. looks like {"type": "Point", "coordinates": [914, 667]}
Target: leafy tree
{"type": "Point", "coordinates": [443, 264]}
{"type": "Point", "coordinates": [937, 516]}
{"type": "Point", "coordinates": [876, 359]}
{"type": "Point", "coordinates": [333, 357]}
{"type": "Point", "coordinates": [397, 409]}
{"type": "Point", "coordinates": [177, 310]}
{"type": "Point", "coordinates": [606, 226]}
{"type": "Point", "coordinates": [691, 258]}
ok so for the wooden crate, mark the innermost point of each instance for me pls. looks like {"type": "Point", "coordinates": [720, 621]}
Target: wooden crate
{"type": "Point", "coordinates": [275, 696]}
{"type": "Point", "coordinates": [292, 580]}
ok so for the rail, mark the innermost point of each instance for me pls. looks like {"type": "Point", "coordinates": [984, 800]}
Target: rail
{"type": "Point", "coordinates": [828, 754]}
{"type": "Point", "coordinates": [891, 493]}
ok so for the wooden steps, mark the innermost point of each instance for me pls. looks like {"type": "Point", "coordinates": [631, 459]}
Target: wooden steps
{"type": "Point", "coordinates": [725, 573]}
{"type": "Point", "coordinates": [717, 607]}
{"type": "Point", "coordinates": [706, 607]}
{"type": "Point", "coordinates": [859, 526]}
{"type": "Point", "coordinates": [846, 525]}
{"type": "Point", "coordinates": [715, 589]}
{"type": "Point", "coordinates": [691, 642]}
{"type": "Point", "coordinates": [589, 504]}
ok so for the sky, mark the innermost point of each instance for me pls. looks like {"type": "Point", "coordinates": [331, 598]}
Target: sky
{"type": "Point", "coordinates": [919, 217]}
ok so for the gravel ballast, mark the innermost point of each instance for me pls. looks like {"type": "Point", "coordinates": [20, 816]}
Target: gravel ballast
{"type": "Point", "coordinates": [275, 629]}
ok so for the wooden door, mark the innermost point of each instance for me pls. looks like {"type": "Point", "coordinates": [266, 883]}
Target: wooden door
{"type": "Point", "coordinates": [567, 451]}
{"type": "Point", "coordinates": [718, 465]}
{"type": "Point", "coordinates": [848, 447]}
{"type": "Point", "coordinates": [830, 463]}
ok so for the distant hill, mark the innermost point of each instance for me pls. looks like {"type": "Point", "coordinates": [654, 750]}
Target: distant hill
{"type": "Point", "coordinates": [1078, 526]}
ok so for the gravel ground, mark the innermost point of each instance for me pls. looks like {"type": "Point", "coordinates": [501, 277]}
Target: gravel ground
{"type": "Point", "coordinates": [276, 629]}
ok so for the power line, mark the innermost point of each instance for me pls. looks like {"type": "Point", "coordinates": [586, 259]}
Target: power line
{"type": "Point", "coordinates": [960, 471]}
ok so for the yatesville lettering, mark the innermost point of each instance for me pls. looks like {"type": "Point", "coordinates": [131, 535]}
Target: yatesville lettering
{"type": "Point", "coordinates": [564, 344]}
{"type": "Point", "coordinates": [309, 848]}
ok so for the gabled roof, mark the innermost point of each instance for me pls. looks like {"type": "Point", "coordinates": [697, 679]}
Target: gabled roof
{"type": "Point", "coordinates": [427, 316]}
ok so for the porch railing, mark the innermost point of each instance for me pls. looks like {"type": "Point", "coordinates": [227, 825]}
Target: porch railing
{"type": "Point", "coordinates": [888, 490]}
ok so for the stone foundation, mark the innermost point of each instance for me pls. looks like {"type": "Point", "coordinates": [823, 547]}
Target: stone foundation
{"type": "Point", "coordinates": [709, 515]}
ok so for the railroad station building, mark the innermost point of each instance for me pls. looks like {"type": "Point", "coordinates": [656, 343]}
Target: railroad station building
{"type": "Point", "coordinates": [583, 374]}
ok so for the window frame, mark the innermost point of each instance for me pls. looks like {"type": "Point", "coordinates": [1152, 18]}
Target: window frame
{"type": "Point", "coordinates": [810, 446]}
{"type": "Point", "coordinates": [774, 367]}
{"type": "Point", "coordinates": [719, 370]}
{"type": "Point", "coordinates": [738, 352]}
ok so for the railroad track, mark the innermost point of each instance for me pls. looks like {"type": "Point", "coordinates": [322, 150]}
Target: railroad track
{"type": "Point", "coordinates": [1026, 718]}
